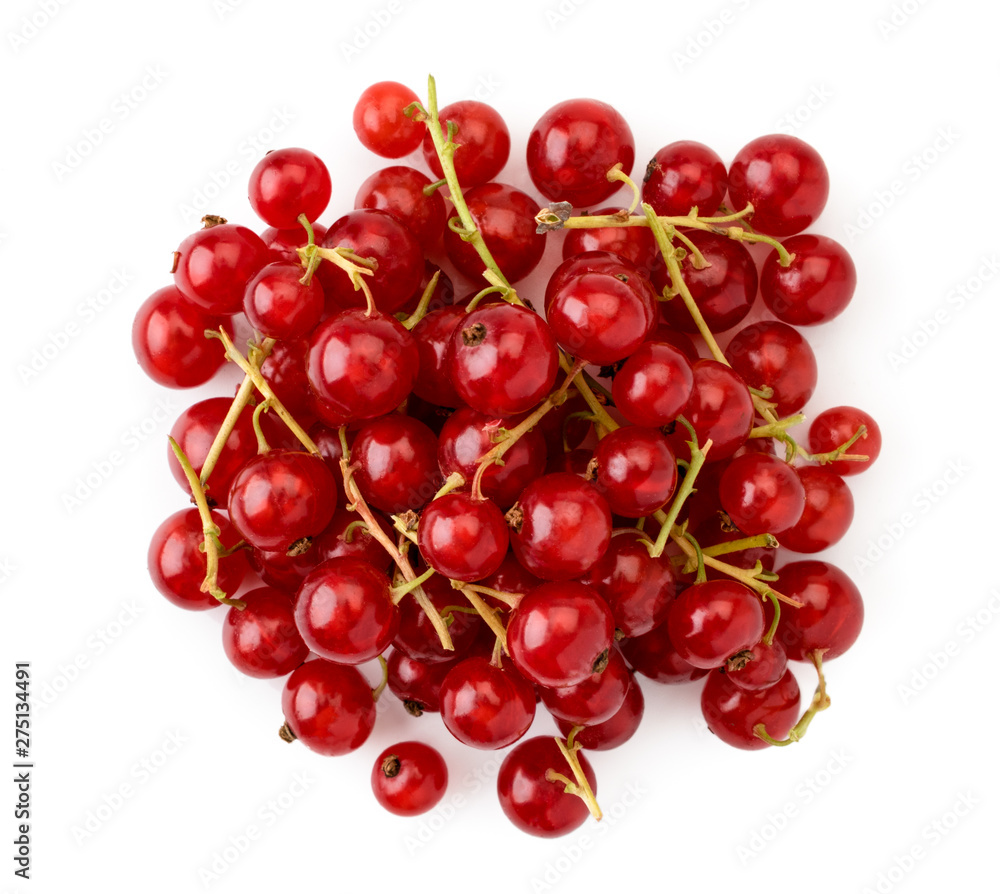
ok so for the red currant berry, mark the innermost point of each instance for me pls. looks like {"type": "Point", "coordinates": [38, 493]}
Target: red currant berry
{"type": "Point", "coordinates": [617, 729]}
{"type": "Point", "coordinates": [561, 526]}
{"type": "Point", "coordinates": [289, 182]}
{"type": "Point", "coordinates": [682, 176]}
{"type": "Point", "coordinates": [636, 470]}
{"type": "Point", "coordinates": [282, 497]}
{"type": "Point", "coordinates": [533, 802]}
{"type": "Point", "coordinates": [463, 538]}
{"type": "Point", "coordinates": [732, 713]}
{"type": "Point", "coordinates": [285, 371]}
{"type": "Point", "coordinates": [399, 190]}
{"type": "Point", "coordinates": [503, 359]}
{"type": "Point", "coordinates": [262, 640]}
{"type": "Point", "coordinates": [784, 178]}
{"type": "Point", "coordinates": [417, 684]}
{"type": "Point", "coordinates": [278, 305]}
{"type": "Point", "coordinates": [344, 611]}
{"type": "Point", "coordinates": [837, 426]}
{"type": "Point", "coordinates": [759, 667]}
{"type": "Point", "coordinates": [653, 385]}
{"type": "Point", "coordinates": [409, 778]}
{"type": "Point", "coordinates": [827, 515]}
{"type": "Point", "coordinates": [433, 335]}
{"type": "Point", "coordinates": [505, 217]}
{"type": "Point", "coordinates": [816, 287]}
{"type": "Point", "coordinates": [214, 265]}
{"type": "Point", "coordinates": [483, 143]}
{"type": "Point", "coordinates": [397, 463]}
{"type": "Point", "coordinates": [653, 655]}
{"type": "Point", "coordinates": [486, 706]}
{"type": "Point", "coordinates": [572, 148]}
{"type": "Point", "coordinates": [720, 408]}
{"type": "Point", "coordinates": [761, 494]}
{"type": "Point", "coordinates": [361, 366]}
{"type": "Point", "coordinates": [633, 244]}
{"type": "Point", "coordinates": [328, 707]}
{"type": "Point", "coordinates": [593, 700]}
{"type": "Point", "coordinates": [380, 122]}
{"type": "Point", "coordinates": [283, 244]}
{"type": "Point", "coordinates": [377, 236]}
{"type": "Point", "coordinates": [560, 634]}
{"type": "Point", "coordinates": [637, 587]}
{"type": "Point", "coordinates": [711, 621]}
{"type": "Point", "coordinates": [832, 613]}
{"type": "Point", "coordinates": [168, 338]}
{"type": "Point", "coordinates": [417, 637]}
{"type": "Point", "coordinates": [773, 354]}
{"type": "Point", "coordinates": [178, 567]}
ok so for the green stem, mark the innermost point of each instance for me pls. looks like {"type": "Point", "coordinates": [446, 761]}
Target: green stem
{"type": "Point", "coordinates": [769, 636]}
{"type": "Point", "coordinates": [399, 592]}
{"type": "Point", "coordinates": [579, 785]}
{"type": "Point", "coordinates": [683, 492]}
{"type": "Point", "coordinates": [378, 690]}
{"type": "Point", "coordinates": [209, 528]}
{"type": "Point", "coordinates": [425, 302]}
{"type": "Point", "coordinates": [262, 445]}
{"type": "Point", "coordinates": [820, 702]}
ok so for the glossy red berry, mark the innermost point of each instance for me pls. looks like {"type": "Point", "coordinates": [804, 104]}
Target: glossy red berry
{"type": "Point", "coordinates": [531, 801]}
{"type": "Point", "coordinates": [417, 684]}
{"type": "Point", "coordinates": [593, 700]}
{"type": "Point", "coordinates": [178, 567]}
{"type": "Point", "coordinates": [289, 182]}
{"type": "Point", "coordinates": [732, 713]}
{"type": "Point", "coordinates": [837, 426]}
{"type": "Point", "coordinates": [560, 633]}
{"type": "Point", "coordinates": [653, 385]}
{"type": "Point", "coordinates": [636, 470]}
{"type": "Point", "coordinates": [433, 336]}
{"type": "Point", "coordinates": [262, 640]}
{"type": "Point", "coordinates": [461, 537]}
{"type": "Point", "coordinates": [380, 122]}
{"type": "Point", "coordinates": [328, 707]}
{"type": "Point", "coordinates": [505, 217]}
{"type": "Point", "coordinates": [711, 621]}
{"type": "Point", "coordinates": [573, 146]}
{"type": "Point", "coordinates": [761, 494]}
{"type": "Point", "coordinates": [759, 667]}
{"type": "Point", "coordinates": [617, 729]}
{"type": "Point", "coordinates": [503, 359]}
{"type": "Point", "coordinates": [653, 655]}
{"type": "Point", "coordinates": [773, 354]}
{"type": "Point", "coordinates": [281, 497]}
{"type": "Point", "coordinates": [397, 463]}
{"type": "Point", "coordinates": [399, 190]}
{"type": "Point", "coordinates": [720, 408]}
{"type": "Point", "coordinates": [409, 778]}
{"type": "Point", "coordinates": [168, 338]}
{"type": "Point", "coordinates": [483, 142]}
{"type": "Point", "coordinates": [214, 264]}
{"type": "Point", "coordinates": [278, 305]}
{"type": "Point", "coordinates": [486, 706]}
{"type": "Point", "coordinates": [361, 366]}
{"type": "Point", "coordinates": [832, 613]}
{"type": "Point", "coordinates": [561, 526]}
{"type": "Point", "coordinates": [417, 637]}
{"type": "Point", "coordinates": [682, 176]}
{"type": "Point", "coordinates": [828, 512]}
{"type": "Point", "coordinates": [816, 287]}
{"type": "Point", "coordinates": [784, 178]}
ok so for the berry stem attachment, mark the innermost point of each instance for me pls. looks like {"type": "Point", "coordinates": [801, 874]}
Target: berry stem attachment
{"type": "Point", "coordinates": [252, 368]}
{"type": "Point", "coordinates": [768, 637]}
{"type": "Point", "coordinates": [488, 615]}
{"type": "Point", "coordinates": [758, 541]}
{"type": "Point", "coordinates": [209, 528]}
{"type": "Point", "coordinates": [581, 787]}
{"type": "Point", "coordinates": [425, 302]}
{"type": "Point", "coordinates": [511, 599]}
{"type": "Point", "coordinates": [399, 592]}
{"type": "Point", "coordinates": [262, 445]}
{"type": "Point", "coordinates": [820, 702]}
{"type": "Point", "coordinates": [617, 175]}
{"type": "Point", "coordinates": [355, 266]}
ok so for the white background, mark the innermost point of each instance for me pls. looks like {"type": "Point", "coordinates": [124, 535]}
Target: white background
{"type": "Point", "coordinates": [903, 111]}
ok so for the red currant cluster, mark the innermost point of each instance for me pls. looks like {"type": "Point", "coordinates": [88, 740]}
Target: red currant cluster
{"type": "Point", "coordinates": [504, 507]}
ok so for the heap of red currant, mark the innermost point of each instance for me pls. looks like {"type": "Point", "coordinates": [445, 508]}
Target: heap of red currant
{"type": "Point", "coordinates": [514, 499]}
